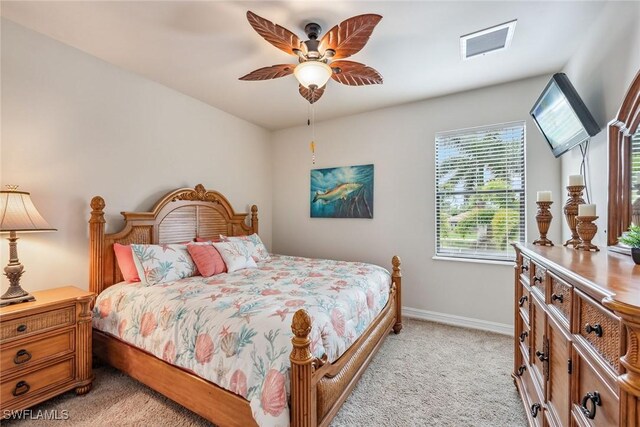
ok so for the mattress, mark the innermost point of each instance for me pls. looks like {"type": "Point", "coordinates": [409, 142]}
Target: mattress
{"type": "Point", "coordinates": [235, 329]}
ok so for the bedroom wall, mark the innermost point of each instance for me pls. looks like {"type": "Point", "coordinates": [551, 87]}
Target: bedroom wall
{"type": "Point", "coordinates": [601, 71]}
{"type": "Point", "coordinates": [74, 126]}
{"type": "Point", "coordinates": [399, 141]}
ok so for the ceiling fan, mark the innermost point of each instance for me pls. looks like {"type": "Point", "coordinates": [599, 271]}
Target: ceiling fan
{"type": "Point", "coordinates": [319, 60]}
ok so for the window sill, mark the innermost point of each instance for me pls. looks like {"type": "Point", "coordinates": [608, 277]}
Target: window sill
{"type": "Point", "coordinates": [473, 261]}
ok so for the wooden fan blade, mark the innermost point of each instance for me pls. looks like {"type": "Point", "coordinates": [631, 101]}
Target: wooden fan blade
{"type": "Point", "coordinates": [350, 35]}
{"type": "Point", "coordinates": [272, 72]}
{"type": "Point", "coordinates": [278, 36]}
{"type": "Point", "coordinates": [311, 95]}
{"type": "Point", "coordinates": [354, 74]}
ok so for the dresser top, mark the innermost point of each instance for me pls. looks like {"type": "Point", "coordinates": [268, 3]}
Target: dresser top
{"type": "Point", "coordinates": [609, 276]}
{"type": "Point", "coordinates": [46, 298]}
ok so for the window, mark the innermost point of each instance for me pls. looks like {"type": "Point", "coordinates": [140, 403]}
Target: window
{"type": "Point", "coordinates": [480, 191]}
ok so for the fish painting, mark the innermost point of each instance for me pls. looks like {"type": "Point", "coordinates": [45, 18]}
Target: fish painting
{"type": "Point", "coordinates": [342, 192]}
{"type": "Point", "coordinates": [339, 192]}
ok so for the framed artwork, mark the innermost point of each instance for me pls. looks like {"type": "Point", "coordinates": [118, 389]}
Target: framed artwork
{"type": "Point", "coordinates": [342, 192]}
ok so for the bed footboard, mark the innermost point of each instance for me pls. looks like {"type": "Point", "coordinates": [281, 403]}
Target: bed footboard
{"type": "Point", "coordinates": [319, 388]}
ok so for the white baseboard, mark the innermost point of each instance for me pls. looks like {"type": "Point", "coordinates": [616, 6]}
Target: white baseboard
{"type": "Point", "coordinates": [451, 319]}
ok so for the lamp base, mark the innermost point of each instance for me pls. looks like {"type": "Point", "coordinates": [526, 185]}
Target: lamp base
{"type": "Point", "coordinates": [16, 300]}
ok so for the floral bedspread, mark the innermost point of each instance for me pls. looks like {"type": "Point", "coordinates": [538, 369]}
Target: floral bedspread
{"type": "Point", "coordinates": [234, 329]}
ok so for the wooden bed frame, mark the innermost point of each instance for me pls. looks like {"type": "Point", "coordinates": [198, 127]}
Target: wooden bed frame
{"type": "Point", "coordinates": [318, 388]}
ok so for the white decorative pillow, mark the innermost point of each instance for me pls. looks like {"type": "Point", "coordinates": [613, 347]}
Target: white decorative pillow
{"type": "Point", "coordinates": [257, 249]}
{"type": "Point", "coordinates": [163, 263]}
{"type": "Point", "coordinates": [236, 255]}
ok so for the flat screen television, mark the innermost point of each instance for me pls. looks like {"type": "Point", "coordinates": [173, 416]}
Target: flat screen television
{"type": "Point", "coordinates": [562, 117]}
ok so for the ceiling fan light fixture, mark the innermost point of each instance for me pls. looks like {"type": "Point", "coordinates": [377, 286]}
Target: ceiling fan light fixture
{"type": "Point", "coordinates": [313, 73]}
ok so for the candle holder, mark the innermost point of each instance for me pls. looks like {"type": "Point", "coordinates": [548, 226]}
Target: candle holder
{"type": "Point", "coordinates": [543, 217]}
{"type": "Point", "coordinates": [571, 212]}
{"type": "Point", "coordinates": [587, 230]}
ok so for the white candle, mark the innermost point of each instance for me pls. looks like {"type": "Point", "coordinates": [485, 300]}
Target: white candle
{"type": "Point", "coordinates": [544, 196]}
{"type": "Point", "coordinates": [586, 210]}
{"type": "Point", "coordinates": [576, 180]}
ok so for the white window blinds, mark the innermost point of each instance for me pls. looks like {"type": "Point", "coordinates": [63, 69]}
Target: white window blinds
{"type": "Point", "coordinates": [635, 178]}
{"type": "Point", "coordinates": [480, 191]}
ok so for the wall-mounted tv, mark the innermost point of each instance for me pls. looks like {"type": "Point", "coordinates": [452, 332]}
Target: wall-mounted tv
{"type": "Point", "coordinates": [562, 117]}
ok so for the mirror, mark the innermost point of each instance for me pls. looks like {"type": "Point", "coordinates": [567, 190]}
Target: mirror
{"type": "Point", "coordinates": [624, 165]}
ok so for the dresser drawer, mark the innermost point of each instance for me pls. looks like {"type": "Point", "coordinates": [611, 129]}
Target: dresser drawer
{"type": "Point", "coordinates": [601, 329]}
{"type": "Point", "coordinates": [524, 300]}
{"type": "Point", "coordinates": [538, 342]}
{"type": "Point", "coordinates": [40, 322]}
{"type": "Point", "coordinates": [525, 269]}
{"type": "Point", "coordinates": [561, 297]}
{"type": "Point", "coordinates": [29, 384]}
{"type": "Point", "coordinates": [534, 403]}
{"type": "Point", "coordinates": [524, 338]}
{"type": "Point", "coordinates": [27, 353]}
{"type": "Point", "coordinates": [538, 279]}
{"type": "Point", "coordinates": [594, 402]}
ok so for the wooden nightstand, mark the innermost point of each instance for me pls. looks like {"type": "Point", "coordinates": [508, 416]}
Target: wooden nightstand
{"type": "Point", "coordinates": [45, 347]}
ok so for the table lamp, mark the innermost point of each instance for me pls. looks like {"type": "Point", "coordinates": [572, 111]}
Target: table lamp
{"type": "Point", "coordinates": [17, 214]}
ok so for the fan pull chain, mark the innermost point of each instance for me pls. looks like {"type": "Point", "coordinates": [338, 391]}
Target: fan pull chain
{"type": "Point", "coordinates": [312, 122]}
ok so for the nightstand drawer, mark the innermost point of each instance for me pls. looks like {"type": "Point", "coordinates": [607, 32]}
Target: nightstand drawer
{"type": "Point", "coordinates": [25, 354]}
{"type": "Point", "coordinates": [31, 383]}
{"type": "Point", "coordinates": [26, 326]}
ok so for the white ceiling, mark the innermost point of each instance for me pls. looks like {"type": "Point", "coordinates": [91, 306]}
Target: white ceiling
{"type": "Point", "coordinates": [201, 48]}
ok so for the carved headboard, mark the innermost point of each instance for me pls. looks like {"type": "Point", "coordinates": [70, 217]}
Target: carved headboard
{"type": "Point", "coordinates": [180, 216]}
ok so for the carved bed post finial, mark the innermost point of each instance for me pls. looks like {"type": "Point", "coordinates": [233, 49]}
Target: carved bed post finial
{"type": "Point", "coordinates": [96, 245]}
{"type": "Point", "coordinates": [396, 279]}
{"type": "Point", "coordinates": [303, 391]}
{"type": "Point", "coordinates": [254, 218]}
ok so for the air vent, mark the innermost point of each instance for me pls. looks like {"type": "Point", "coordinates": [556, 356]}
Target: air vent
{"type": "Point", "coordinates": [488, 40]}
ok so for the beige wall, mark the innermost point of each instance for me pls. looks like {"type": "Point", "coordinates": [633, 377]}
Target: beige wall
{"type": "Point", "coordinates": [74, 126]}
{"type": "Point", "coordinates": [399, 141]}
{"type": "Point", "coordinates": [601, 71]}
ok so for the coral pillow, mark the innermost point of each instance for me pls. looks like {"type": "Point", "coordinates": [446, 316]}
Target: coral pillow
{"type": "Point", "coordinates": [236, 255]}
{"type": "Point", "coordinates": [207, 259]}
{"type": "Point", "coordinates": [127, 265]}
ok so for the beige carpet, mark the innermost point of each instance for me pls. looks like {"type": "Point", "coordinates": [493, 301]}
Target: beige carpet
{"type": "Point", "coordinates": [428, 375]}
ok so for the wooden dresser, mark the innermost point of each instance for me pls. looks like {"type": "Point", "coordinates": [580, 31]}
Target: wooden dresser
{"type": "Point", "coordinates": [45, 348]}
{"type": "Point", "coordinates": [577, 331]}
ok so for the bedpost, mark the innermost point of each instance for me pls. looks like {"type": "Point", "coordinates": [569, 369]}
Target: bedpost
{"type": "Point", "coordinates": [396, 278]}
{"type": "Point", "coordinates": [96, 245]}
{"type": "Point", "coordinates": [254, 218]}
{"type": "Point", "coordinates": [303, 391]}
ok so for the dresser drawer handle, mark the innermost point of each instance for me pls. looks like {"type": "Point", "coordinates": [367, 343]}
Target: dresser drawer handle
{"type": "Point", "coordinates": [541, 356]}
{"type": "Point", "coordinates": [522, 300]}
{"type": "Point", "coordinates": [524, 267]}
{"type": "Point", "coordinates": [594, 397]}
{"type": "Point", "coordinates": [557, 297]}
{"type": "Point", "coordinates": [22, 356]}
{"type": "Point", "coordinates": [535, 408]}
{"type": "Point", "coordinates": [21, 388]}
{"type": "Point", "coordinates": [521, 370]}
{"type": "Point", "coordinates": [21, 328]}
{"type": "Point", "coordinates": [523, 336]}
{"type": "Point", "coordinates": [597, 328]}
{"type": "Point", "coordinates": [537, 279]}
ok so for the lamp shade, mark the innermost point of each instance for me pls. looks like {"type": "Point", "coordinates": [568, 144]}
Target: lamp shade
{"type": "Point", "coordinates": [17, 213]}
{"type": "Point", "coordinates": [312, 73]}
